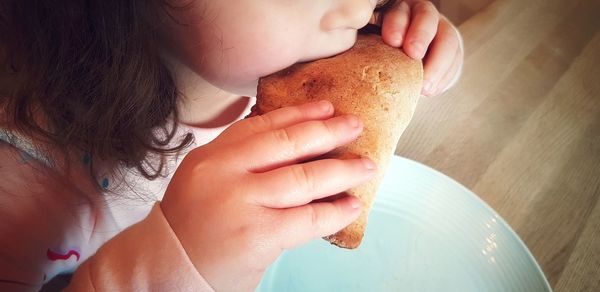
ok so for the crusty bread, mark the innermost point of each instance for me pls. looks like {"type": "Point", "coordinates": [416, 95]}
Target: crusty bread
{"type": "Point", "coordinates": [376, 82]}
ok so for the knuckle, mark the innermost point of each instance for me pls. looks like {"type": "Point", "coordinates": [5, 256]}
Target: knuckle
{"type": "Point", "coordinates": [328, 129]}
{"type": "Point", "coordinates": [200, 167]}
{"type": "Point", "coordinates": [260, 238]}
{"type": "Point", "coordinates": [304, 178]}
{"type": "Point", "coordinates": [297, 112]}
{"type": "Point", "coordinates": [260, 123]}
{"type": "Point", "coordinates": [284, 137]}
{"type": "Point", "coordinates": [314, 218]}
{"type": "Point", "coordinates": [238, 126]}
{"type": "Point", "coordinates": [196, 155]}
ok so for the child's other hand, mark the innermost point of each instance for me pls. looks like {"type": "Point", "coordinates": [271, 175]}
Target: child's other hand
{"type": "Point", "coordinates": [417, 27]}
{"type": "Point", "coordinates": [239, 201]}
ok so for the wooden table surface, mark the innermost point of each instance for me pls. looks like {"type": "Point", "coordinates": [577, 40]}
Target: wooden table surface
{"type": "Point", "coordinates": [522, 129]}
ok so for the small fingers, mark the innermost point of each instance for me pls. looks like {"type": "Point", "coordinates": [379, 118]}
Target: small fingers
{"type": "Point", "coordinates": [451, 75]}
{"type": "Point", "coordinates": [440, 58]}
{"type": "Point", "coordinates": [422, 29]}
{"type": "Point", "coordinates": [300, 184]}
{"type": "Point", "coordinates": [302, 224]}
{"type": "Point", "coordinates": [273, 149]}
{"type": "Point", "coordinates": [280, 118]}
{"type": "Point", "coordinates": [395, 24]}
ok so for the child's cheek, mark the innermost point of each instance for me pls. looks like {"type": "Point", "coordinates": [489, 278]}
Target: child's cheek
{"type": "Point", "coordinates": [238, 70]}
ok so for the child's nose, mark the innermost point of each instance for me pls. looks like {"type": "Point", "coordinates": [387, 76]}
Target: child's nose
{"type": "Point", "coordinates": [348, 14]}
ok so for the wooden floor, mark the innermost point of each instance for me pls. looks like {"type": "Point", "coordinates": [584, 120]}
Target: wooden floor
{"type": "Point", "coordinates": [522, 129]}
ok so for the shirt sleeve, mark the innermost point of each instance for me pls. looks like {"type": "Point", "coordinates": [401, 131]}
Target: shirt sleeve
{"type": "Point", "coordinates": [145, 257]}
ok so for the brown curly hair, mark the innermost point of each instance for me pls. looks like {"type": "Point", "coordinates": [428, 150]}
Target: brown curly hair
{"type": "Point", "coordinates": [93, 69]}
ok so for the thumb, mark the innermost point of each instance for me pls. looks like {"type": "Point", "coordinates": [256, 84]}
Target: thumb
{"type": "Point", "coordinates": [301, 224]}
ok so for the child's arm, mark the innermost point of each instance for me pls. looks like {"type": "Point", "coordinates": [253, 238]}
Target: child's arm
{"type": "Point", "coordinates": [423, 33]}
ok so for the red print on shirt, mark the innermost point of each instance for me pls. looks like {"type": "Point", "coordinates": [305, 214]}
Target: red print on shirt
{"type": "Point", "coordinates": [54, 256]}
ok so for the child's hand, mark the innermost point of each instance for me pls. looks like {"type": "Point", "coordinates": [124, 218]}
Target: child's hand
{"type": "Point", "coordinates": [239, 201]}
{"type": "Point", "coordinates": [417, 27]}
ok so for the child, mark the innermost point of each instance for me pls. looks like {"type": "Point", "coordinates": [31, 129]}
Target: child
{"type": "Point", "coordinates": [103, 100]}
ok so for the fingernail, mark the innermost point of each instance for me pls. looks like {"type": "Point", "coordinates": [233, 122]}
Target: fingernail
{"type": "Point", "coordinates": [368, 164]}
{"type": "Point", "coordinates": [353, 121]}
{"type": "Point", "coordinates": [325, 106]}
{"type": "Point", "coordinates": [418, 49]}
{"type": "Point", "coordinates": [427, 87]}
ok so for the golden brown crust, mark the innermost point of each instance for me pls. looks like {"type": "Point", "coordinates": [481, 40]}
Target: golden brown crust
{"type": "Point", "coordinates": [376, 82]}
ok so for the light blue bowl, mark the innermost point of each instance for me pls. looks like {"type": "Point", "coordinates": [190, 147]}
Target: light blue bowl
{"type": "Point", "coordinates": [426, 232]}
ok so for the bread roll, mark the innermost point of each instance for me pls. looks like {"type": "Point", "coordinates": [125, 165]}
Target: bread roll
{"type": "Point", "coordinates": [377, 83]}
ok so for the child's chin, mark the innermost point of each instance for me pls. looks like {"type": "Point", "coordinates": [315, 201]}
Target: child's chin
{"type": "Point", "coordinates": [248, 89]}
{"type": "Point", "coordinates": [334, 51]}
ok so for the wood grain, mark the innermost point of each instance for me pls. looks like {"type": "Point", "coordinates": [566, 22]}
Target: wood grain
{"type": "Point", "coordinates": [460, 10]}
{"type": "Point", "coordinates": [522, 129]}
